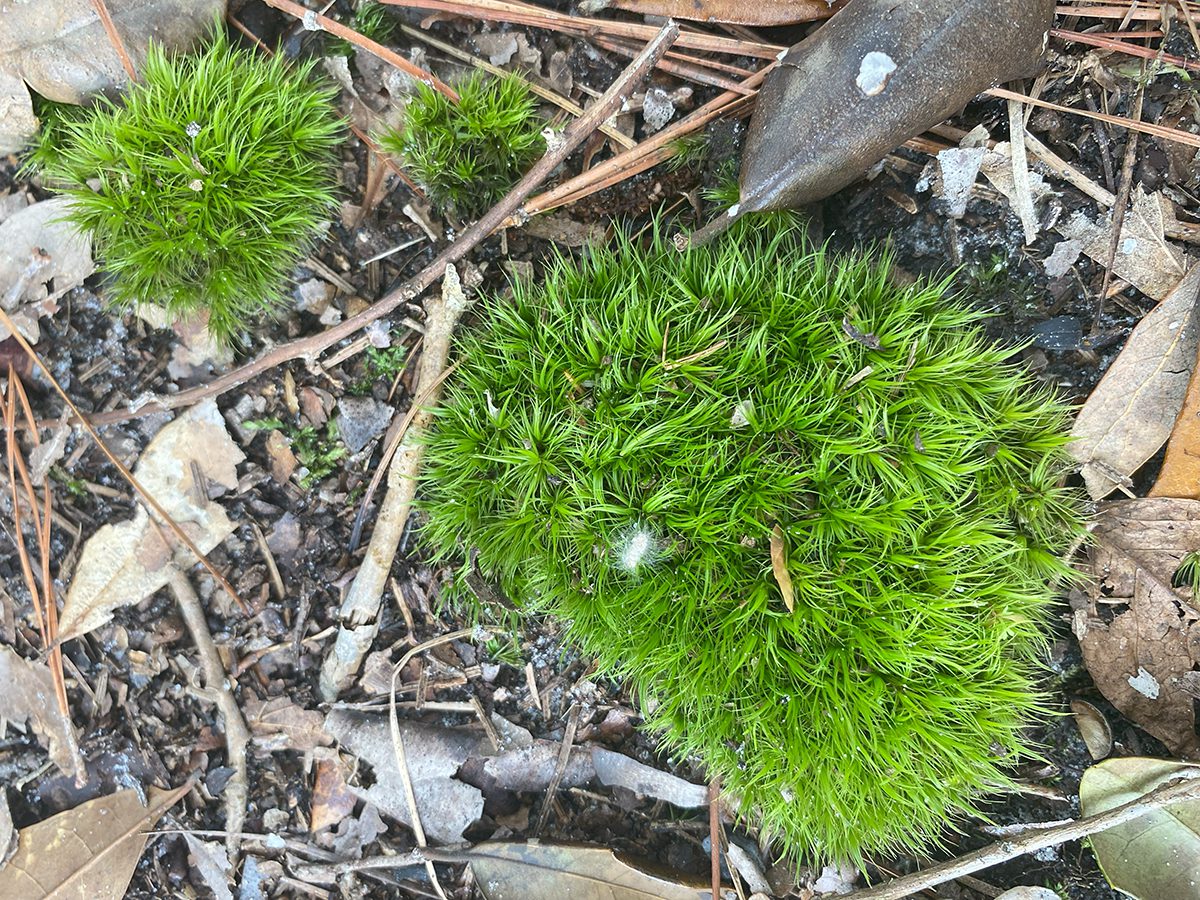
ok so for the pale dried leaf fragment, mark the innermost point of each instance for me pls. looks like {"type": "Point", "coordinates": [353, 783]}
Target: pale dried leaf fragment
{"type": "Point", "coordinates": [780, 569]}
{"type": "Point", "coordinates": [281, 724]}
{"type": "Point", "coordinates": [60, 50]}
{"type": "Point", "coordinates": [1141, 657]}
{"type": "Point", "coordinates": [550, 872]}
{"type": "Point", "coordinates": [38, 250]}
{"type": "Point", "coordinates": [445, 805]}
{"type": "Point", "coordinates": [89, 852]}
{"type": "Point", "coordinates": [1093, 728]}
{"type": "Point", "coordinates": [1145, 257]}
{"type": "Point", "coordinates": [211, 860]}
{"type": "Point", "coordinates": [122, 564]}
{"type": "Point", "coordinates": [28, 696]}
{"type": "Point", "coordinates": [1133, 409]}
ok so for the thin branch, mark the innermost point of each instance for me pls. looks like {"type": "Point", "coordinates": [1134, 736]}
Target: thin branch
{"type": "Point", "coordinates": [217, 683]}
{"type": "Point", "coordinates": [1032, 841]}
{"type": "Point", "coordinates": [114, 37]}
{"type": "Point", "coordinates": [314, 21]}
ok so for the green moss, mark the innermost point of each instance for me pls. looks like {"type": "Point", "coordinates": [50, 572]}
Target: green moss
{"type": "Point", "coordinates": [216, 172]}
{"type": "Point", "coordinates": [371, 20]}
{"type": "Point", "coordinates": [467, 155]}
{"type": "Point", "coordinates": [621, 442]}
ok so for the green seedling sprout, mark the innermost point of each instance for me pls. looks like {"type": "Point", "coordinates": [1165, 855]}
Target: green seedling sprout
{"type": "Point", "coordinates": [623, 443]}
{"type": "Point", "coordinates": [205, 184]}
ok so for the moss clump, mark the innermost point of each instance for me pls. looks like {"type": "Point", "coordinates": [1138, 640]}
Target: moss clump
{"type": "Point", "coordinates": [467, 155]}
{"type": "Point", "coordinates": [622, 441]}
{"type": "Point", "coordinates": [216, 172]}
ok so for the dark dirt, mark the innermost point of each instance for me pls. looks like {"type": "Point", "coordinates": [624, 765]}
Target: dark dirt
{"type": "Point", "coordinates": [138, 726]}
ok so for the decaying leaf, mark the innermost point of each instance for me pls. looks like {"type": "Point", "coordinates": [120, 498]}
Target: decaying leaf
{"type": "Point", "coordinates": [779, 568]}
{"type": "Point", "coordinates": [123, 564]}
{"type": "Point", "coordinates": [8, 834]}
{"type": "Point", "coordinates": [60, 50]}
{"type": "Point", "coordinates": [1139, 637]}
{"type": "Point", "coordinates": [87, 852]}
{"type": "Point", "coordinates": [28, 695]}
{"type": "Point", "coordinates": [877, 74]}
{"type": "Point", "coordinates": [332, 800]}
{"type": "Point", "coordinates": [1145, 258]}
{"type": "Point", "coordinates": [1093, 728]}
{"type": "Point", "coordinates": [619, 770]}
{"type": "Point", "coordinates": [551, 872]}
{"type": "Point", "coordinates": [1133, 409]}
{"type": "Point", "coordinates": [281, 724]}
{"type": "Point", "coordinates": [211, 860]}
{"type": "Point", "coordinates": [1180, 472]}
{"type": "Point", "coordinates": [41, 258]}
{"type": "Point", "coordinates": [1156, 856]}
{"type": "Point", "coordinates": [738, 12]}
{"type": "Point", "coordinates": [446, 805]}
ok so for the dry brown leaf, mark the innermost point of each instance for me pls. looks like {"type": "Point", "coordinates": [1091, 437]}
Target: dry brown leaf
{"type": "Point", "coordinates": [59, 49]}
{"type": "Point", "coordinates": [1093, 728]}
{"type": "Point", "coordinates": [211, 860]}
{"type": "Point", "coordinates": [1130, 414]}
{"type": "Point", "coordinates": [124, 563]}
{"type": "Point", "coordinates": [1180, 473]}
{"type": "Point", "coordinates": [1145, 258]}
{"type": "Point", "coordinates": [89, 852]}
{"type": "Point", "coordinates": [780, 569]}
{"type": "Point", "coordinates": [28, 695]}
{"type": "Point", "coordinates": [280, 724]}
{"type": "Point", "coordinates": [446, 805]}
{"type": "Point", "coordinates": [37, 248]}
{"type": "Point", "coordinates": [877, 74]}
{"type": "Point", "coordinates": [550, 872]}
{"type": "Point", "coordinates": [1139, 637]}
{"type": "Point", "coordinates": [332, 799]}
{"type": "Point", "coordinates": [738, 12]}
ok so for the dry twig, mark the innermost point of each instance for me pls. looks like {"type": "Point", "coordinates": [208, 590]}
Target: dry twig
{"type": "Point", "coordinates": [216, 682]}
{"type": "Point", "coordinates": [1031, 842]}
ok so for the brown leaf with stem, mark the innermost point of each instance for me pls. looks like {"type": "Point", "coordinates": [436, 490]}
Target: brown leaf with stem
{"type": "Point", "coordinates": [90, 851]}
{"type": "Point", "coordinates": [780, 569]}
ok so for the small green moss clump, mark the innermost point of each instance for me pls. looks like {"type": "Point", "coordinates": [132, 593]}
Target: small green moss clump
{"type": "Point", "coordinates": [467, 155]}
{"type": "Point", "coordinates": [371, 20]}
{"type": "Point", "coordinates": [622, 443]}
{"type": "Point", "coordinates": [216, 172]}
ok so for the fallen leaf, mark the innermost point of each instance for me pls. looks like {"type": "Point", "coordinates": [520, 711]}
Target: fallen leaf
{"type": "Point", "coordinates": [446, 805]}
{"type": "Point", "coordinates": [281, 724]}
{"type": "Point", "coordinates": [1141, 658]}
{"type": "Point", "coordinates": [60, 50]}
{"type": "Point", "coordinates": [1093, 728]}
{"type": "Point", "coordinates": [29, 695]}
{"type": "Point", "coordinates": [1144, 258]}
{"type": "Point", "coordinates": [780, 569]}
{"type": "Point", "coordinates": [37, 250]}
{"type": "Point", "coordinates": [1180, 472]}
{"type": "Point", "coordinates": [552, 872]}
{"type": "Point", "coordinates": [1133, 409]}
{"type": "Point", "coordinates": [1157, 855]}
{"type": "Point", "coordinates": [332, 799]}
{"type": "Point", "coordinates": [764, 13]}
{"type": "Point", "coordinates": [89, 852]}
{"type": "Point", "coordinates": [211, 860]}
{"type": "Point", "coordinates": [1029, 893]}
{"type": "Point", "coordinates": [8, 834]}
{"type": "Point", "coordinates": [875, 75]}
{"type": "Point", "coordinates": [618, 770]}
{"type": "Point", "coordinates": [123, 564]}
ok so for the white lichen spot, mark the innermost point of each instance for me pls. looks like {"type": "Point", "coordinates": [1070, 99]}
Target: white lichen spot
{"type": "Point", "coordinates": [1129, 246]}
{"type": "Point", "coordinates": [310, 22]}
{"type": "Point", "coordinates": [1144, 683]}
{"type": "Point", "coordinates": [196, 184]}
{"type": "Point", "coordinates": [734, 210]}
{"type": "Point", "coordinates": [873, 74]}
{"type": "Point", "coordinates": [193, 129]}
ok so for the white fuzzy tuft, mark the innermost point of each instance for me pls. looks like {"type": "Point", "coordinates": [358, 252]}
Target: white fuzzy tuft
{"type": "Point", "coordinates": [636, 549]}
